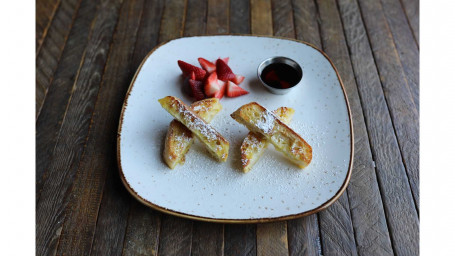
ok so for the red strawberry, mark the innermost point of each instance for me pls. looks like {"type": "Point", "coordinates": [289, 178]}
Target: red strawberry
{"type": "Point", "coordinates": [226, 60]}
{"type": "Point", "coordinates": [188, 68]}
{"type": "Point", "coordinates": [225, 73]}
{"type": "Point", "coordinates": [197, 89]}
{"type": "Point", "coordinates": [234, 90]}
{"type": "Point", "coordinates": [238, 79]}
{"type": "Point", "coordinates": [284, 84]}
{"type": "Point", "coordinates": [214, 87]}
{"type": "Point", "coordinates": [207, 65]}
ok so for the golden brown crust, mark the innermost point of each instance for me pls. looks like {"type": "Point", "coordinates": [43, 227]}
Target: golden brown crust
{"type": "Point", "coordinates": [216, 144]}
{"type": "Point", "coordinates": [179, 139]}
{"type": "Point", "coordinates": [255, 144]}
{"type": "Point", "coordinates": [258, 119]}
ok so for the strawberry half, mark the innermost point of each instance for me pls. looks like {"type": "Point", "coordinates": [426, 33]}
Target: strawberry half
{"type": "Point", "coordinates": [234, 90]}
{"type": "Point", "coordinates": [197, 89]}
{"type": "Point", "coordinates": [187, 69]}
{"type": "Point", "coordinates": [226, 60]}
{"type": "Point", "coordinates": [207, 65]}
{"type": "Point", "coordinates": [214, 87]}
{"type": "Point", "coordinates": [225, 73]}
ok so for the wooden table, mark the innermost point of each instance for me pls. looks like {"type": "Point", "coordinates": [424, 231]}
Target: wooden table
{"type": "Point", "coordinates": [87, 53]}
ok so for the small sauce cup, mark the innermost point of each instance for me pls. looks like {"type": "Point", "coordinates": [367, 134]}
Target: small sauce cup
{"type": "Point", "coordinates": [279, 74]}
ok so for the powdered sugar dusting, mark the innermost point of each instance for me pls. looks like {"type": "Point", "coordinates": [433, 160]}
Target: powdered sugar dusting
{"type": "Point", "coordinates": [266, 122]}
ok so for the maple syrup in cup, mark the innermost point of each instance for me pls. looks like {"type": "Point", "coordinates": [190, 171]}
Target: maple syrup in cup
{"type": "Point", "coordinates": [279, 74]}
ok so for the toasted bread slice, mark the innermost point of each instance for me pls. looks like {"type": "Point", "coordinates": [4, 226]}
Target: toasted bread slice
{"type": "Point", "coordinates": [179, 139]}
{"type": "Point", "coordinates": [216, 144]}
{"type": "Point", "coordinates": [255, 144]}
{"type": "Point", "coordinates": [258, 119]}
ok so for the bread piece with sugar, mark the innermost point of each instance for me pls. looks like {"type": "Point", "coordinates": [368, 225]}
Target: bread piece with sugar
{"type": "Point", "coordinates": [179, 139]}
{"type": "Point", "coordinates": [260, 120]}
{"type": "Point", "coordinates": [215, 143]}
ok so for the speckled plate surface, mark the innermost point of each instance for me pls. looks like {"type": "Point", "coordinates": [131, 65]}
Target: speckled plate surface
{"type": "Point", "coordinates": [205, 189]}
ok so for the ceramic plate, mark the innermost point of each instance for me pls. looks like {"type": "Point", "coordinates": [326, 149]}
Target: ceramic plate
{"type": "Point", "coordinates": [205, 189]}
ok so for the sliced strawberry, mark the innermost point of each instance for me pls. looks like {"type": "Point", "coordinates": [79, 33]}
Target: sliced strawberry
{"type": "Point", "coordinates": [197, 89]}
{"type": "Point", "coordinates": [225, 73]}
{"type": "Point", "coordinates": [193, 76]}
{"type": "Point", "coordinates": [285, 84]}
{"type": "Point", "coordinates": [188, 68]}
{"type": "Point", "coordinates": [220, 93]}
{"type": "Point", "coordinates": [234, 90]}
{"type": "Point", "coordinates": [226, 60]}
{"type": "Point", "coordinates": [207, 65]}
{"type": "Point", "coordinates": [238, 79]}
{"type": "Point", "coordinates": [214, 87]}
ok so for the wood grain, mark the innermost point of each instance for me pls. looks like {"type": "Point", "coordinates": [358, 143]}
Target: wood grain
{"type": "Point", "coordinates": [208, 239]}
{"type": "Point", "coordinates": [261, 17]}
{"type": "Point", "coordinates": [217, 17]}
{"type": "Point", "coordinates": [50, 51]}
{"type": "Point", "coordinates": [53, 111]}
{"type": "Point", "coordinates": [196, 18]}
{"type": "Point", "coordinates": [239, 17]}
{"type": "Point", "coordinates": [283, 20]}
{"type": "Point", "coordinates": [44, 11]}
{"type": "Point", "coordinates": [175, 236]}
{"type": "Point", "coordinates": [366, 206]}
{"type": "Point", "coordinates": [239, 240]}
{"type": "Point", "coordinates": [303, 236]}
{"type": "Point", "coordinates": [406, 46]}
{"type": "Point", "coordinates": [172, 22]}
{"type": "Point", "coordinates": [306, 21]}
{"type": "Point", "coordinates": [272, 239]}
{"type": "Point", "coordinates": [88, 186]}
{"type": "Point", "coordinates": [109, 237]}
{"type": "Point", "coordinates": [143, 223]}
{"type": "Point", "coordinates": [399, 206]}
{"type": "Point", "coordinates": [142, 234]}
{"type": "Point", "coordinates": [411, 7]}
{"type": "Point", "coordinates": [73, 133]}
{"type": "Point", "coordinates": [397, 95]}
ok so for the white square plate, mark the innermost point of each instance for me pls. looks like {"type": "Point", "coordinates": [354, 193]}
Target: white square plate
{"type": "Point", "coordinates": [205, 189]}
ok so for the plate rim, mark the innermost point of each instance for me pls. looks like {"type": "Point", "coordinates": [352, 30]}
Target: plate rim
{"type": "Point", "coordinates": [234, 221]}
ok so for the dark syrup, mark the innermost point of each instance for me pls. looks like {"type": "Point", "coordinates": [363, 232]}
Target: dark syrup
{"type": "Point", "coordinates": [280, 76]}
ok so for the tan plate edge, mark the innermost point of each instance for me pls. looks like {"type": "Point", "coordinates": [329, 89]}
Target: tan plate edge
{"type": "Point", "coordinates": [239, 221]}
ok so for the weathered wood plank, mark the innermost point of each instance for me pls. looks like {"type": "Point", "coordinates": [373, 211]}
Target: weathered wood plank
{"type": "Point", "coordinates": [411, 7]}
{"type": "Point", "coordinates": [398, 97]}
{"type": "Point", "coordinates": [305, 22]}
{"type": "Point", "coordinates": [407, 48]}
{"type": "Point", "coordinates": [208, 239]}
{"type": "Point", "coordinates": [196, 18]}
{"type": "Point", "coordinates": [141, 224]}
{"type": "Point", "coordinates": [217, 17]}
{"type": "Point", "coordinates": [175, 236]}
{"type": "Point", "coordinates": [239, 240]}
{"type": "Point", "coordinates": [303, 236]}
{"type": "Point", "coordinates": [337, 235]}
{"type": "Point", "coordinates": [261, 17]}
{"type": "Point", "coordinates": [367, 213]}
{"type": "Point", "coordinates": [44, 11]}
{"type": "Point", "coordinates": [283, 20]}
{"type": "Point", "coordinates": [142, 234]}
{"type": "Point", "coordinates": [402, 217]}
{"type": "Point", "coordinates": [111, 224]}
{"type": "Point", "coordinates": [73, 133]}
{"type": "Point", "coordinates": [172, 22]}
{"type": "Point", "coordinates": [88, 186]}
{"type": "Point", "coordinates": [239, 17]}
{"type": "Point", "coordinates": [50, 51]}
{"type": "Point", "coordinates": [54, 108]}
{"type": "Point", "coordinates": [272, 239]}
